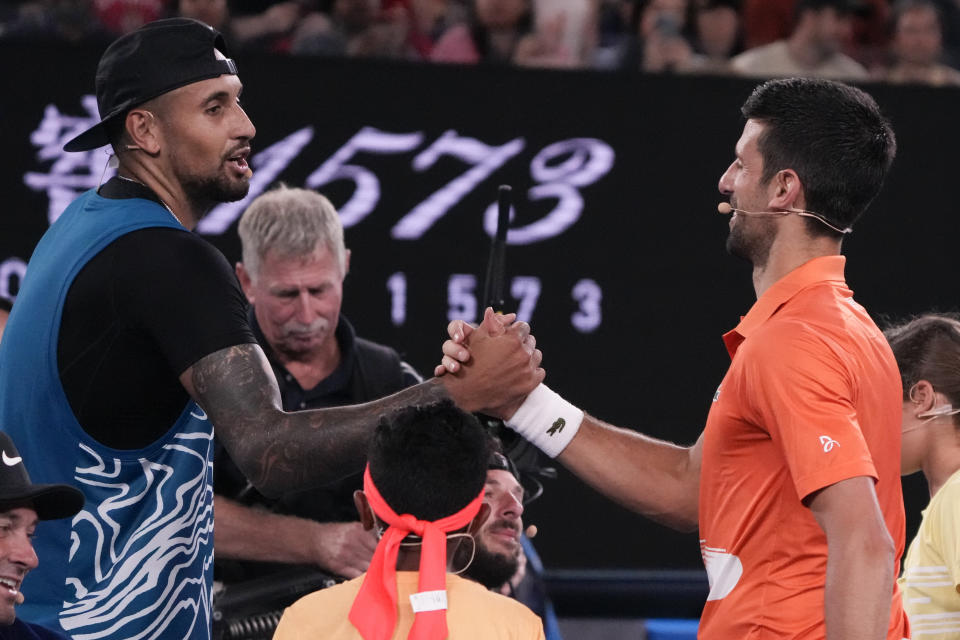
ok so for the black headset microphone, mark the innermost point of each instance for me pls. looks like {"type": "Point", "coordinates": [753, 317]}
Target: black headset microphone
{"type": "Point", "coordinates": [727, 208]}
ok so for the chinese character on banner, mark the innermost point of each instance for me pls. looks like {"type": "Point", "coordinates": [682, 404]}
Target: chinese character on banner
{"type": "Point", "coordinates": [70, 174]}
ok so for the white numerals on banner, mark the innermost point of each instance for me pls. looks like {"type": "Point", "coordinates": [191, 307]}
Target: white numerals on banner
{"type": "Point", "coordinates": [367, 192]}
{"type": "Point", "coordinates": [397, 286]}
{"type": "Point", "coordinates": [587, 318]}
{"type": "Point", "coordinates": [484, 158]}
{"type": "Point", "coordinates": [589, 160]}
{"type": "Point", "coordinates": [461, 299]}
{"type": "Point", "coordinates": [9, 269]}
{"type": "Point", "coordinates": [462, 302]}
{"type": "Point", "coordinates": [525, 289]}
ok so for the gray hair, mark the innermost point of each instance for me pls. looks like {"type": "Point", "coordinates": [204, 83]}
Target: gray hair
{"type": "Point", "coordinates": [290, 223]}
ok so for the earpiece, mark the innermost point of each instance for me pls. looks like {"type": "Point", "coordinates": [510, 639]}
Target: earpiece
{"type": "Point", "coordinates": [942, 410]}
{"type": "Point", "coordinates": [726, 208]}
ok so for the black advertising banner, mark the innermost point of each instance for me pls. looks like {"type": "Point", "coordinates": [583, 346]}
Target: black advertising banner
{"type": "Point", "coordinates": [616, 250]}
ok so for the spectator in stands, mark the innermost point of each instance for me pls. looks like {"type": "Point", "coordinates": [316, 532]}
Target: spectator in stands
{"type": "Point", "coordinates": [124, 16]}
{"type": "Point", "coordinates": [70, 21]}
{"type": "Point", "coordinates": [426, 20]}
{"type": "Point", "coordinates": [717, 34]}
{"type": "Point", "coordinates": [564, 35]}
{"type": "Point", "coordinates": [5, 307]}
{"type": "Point", "coordinates": [215, 13]}
{"type": "Point", "coordinates": [294, 264]}
{"type": "Point", "coordinates": [613, 31]}
{"type": "Point", "coordinates": [268, 29]}
{"type": "Point", "coordinates": [950, 22]}
{"type": "Point", "coordinates": [356, 28]}
{"type": "Point", "coordinates": [428, 462]}
{"type": "Point", "coordinates": [927, 350]}
{"type": "Point", "coordinates": [658, 40]}
{"type": "Point", "coordinates": [22, 505]}
{"type": "Point", "coordinates": [917, 46]}
{"type": "Point", "coordinates": [491, 34]}
{"type": "Point", "coordinates": [813, 48]}
{"type": "Point", "coordinates": [767, 21]}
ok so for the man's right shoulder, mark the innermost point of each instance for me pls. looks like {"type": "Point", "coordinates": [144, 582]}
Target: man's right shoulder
{"type": "Point", "coordinates": [173, 252]}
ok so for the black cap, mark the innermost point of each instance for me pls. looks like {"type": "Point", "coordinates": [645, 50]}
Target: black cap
{"type": "Point", "coordinates": [500, 462]}
{"type": "Point", "coordinates": [50, 501]}
{"type": "Point", "coordinates": [156, 58]}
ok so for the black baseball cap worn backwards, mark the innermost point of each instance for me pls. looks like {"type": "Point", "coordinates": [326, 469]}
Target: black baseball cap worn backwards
{"type": "Point", "coordinates": [50, 501]}
{"type": "Point", "coordinates": [156, 58]}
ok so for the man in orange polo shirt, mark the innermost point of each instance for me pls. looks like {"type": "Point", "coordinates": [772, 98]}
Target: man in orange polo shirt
{"type": "Point", "coordinates": [794, 483]}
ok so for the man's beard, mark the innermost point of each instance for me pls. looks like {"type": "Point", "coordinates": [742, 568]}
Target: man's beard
{"type": "Point", "coordinates": [205, 192]}
{"type": "Point", "coordinates": [751, 239]}
{"type": "Point", "coordinates": [492, 570]}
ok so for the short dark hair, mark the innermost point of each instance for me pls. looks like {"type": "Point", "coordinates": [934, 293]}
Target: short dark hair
{"type": "Point", "coordinates": [835, 138]}
{"type": "Point", "coordinates": [429, 461]}
{"type": "Point", "coordinates": [928, 348]}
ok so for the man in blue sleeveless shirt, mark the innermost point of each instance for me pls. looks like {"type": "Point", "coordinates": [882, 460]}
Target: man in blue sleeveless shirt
{"type": "Point", "coordinates": [129, 340]}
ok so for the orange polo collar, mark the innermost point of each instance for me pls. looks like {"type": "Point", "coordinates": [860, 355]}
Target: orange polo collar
{"type": "Point", "coordinates": [822, 269]}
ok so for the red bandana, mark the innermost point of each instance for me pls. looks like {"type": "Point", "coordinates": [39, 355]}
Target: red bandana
{"type": "Point", "coordinates": [374, 612]}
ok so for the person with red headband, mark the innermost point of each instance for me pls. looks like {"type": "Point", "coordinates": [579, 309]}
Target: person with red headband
{"type": "Point", "coordinates": [423, 493]}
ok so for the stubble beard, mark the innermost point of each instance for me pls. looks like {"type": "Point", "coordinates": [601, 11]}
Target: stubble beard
{"type": "Point", "coordinates": [205, 192]}
{"type": "Point", "coordinates": [751, 240]}
{"type": "Point", "coordinates": [492, 570]}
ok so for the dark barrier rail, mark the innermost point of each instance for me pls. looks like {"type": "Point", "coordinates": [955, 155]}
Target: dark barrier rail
{"type": "Point", "coordinates": [627, 594]}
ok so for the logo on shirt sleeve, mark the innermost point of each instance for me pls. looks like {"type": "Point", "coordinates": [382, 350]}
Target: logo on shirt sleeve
{"type": "Point", "coordinates": [828, 443]}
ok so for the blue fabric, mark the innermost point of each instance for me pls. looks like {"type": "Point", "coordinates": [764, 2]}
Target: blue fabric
{"type": "Point", "coordinates": [20, 630]}
{"type": "Point", "coordinates": [671, 629]}
{"type": "Point", "coordinates": [137, 561]}
{"type": "Point", "coordinates": [551, 626]}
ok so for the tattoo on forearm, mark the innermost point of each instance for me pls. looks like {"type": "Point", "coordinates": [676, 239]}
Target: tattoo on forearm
{"type": "Point", "coordinates": [288, 451]}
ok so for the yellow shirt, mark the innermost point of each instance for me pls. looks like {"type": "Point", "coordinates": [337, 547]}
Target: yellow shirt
{"type": "Point", "coordinates": [931, 572]}
{"type": "Point", "coordinates": [474, 613]}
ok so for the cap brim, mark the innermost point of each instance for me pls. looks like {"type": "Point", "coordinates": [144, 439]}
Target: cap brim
{"type": "Point", "coordinates": [50, 501]}
{"type": "Point", "coordinates": [93, 138]}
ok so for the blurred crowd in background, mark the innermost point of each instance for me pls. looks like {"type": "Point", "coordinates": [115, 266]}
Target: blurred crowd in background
{"type": "Point", "coordinates": [914, 41]}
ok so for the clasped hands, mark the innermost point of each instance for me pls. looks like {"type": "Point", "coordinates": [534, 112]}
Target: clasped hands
{"type": "Point", "coordinates": [491, 367]}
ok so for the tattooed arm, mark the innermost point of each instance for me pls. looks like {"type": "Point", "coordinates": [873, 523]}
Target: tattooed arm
{"type": "Point", "coordinates": [282, 451]}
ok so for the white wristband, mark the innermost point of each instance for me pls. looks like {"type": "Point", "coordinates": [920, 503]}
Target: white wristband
{"type": "Point", "coordinates": [546, 420]}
